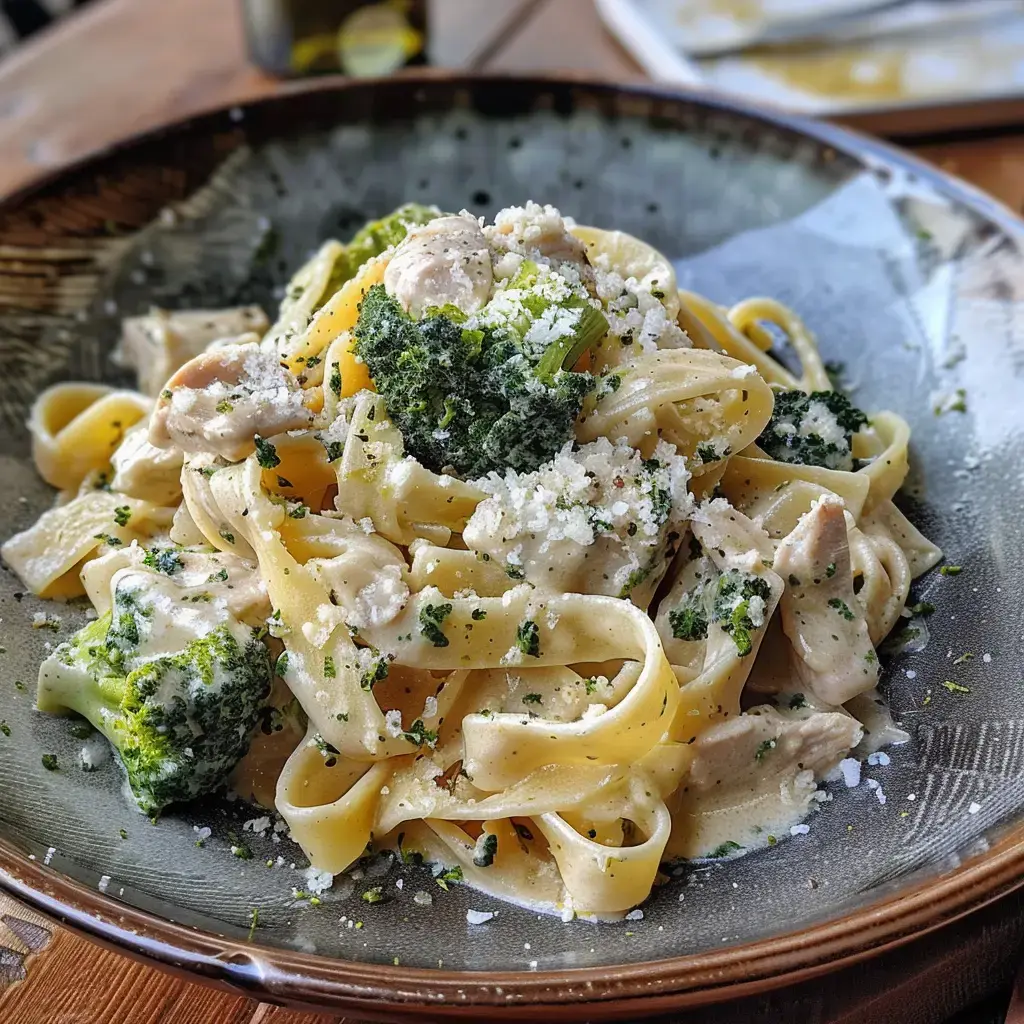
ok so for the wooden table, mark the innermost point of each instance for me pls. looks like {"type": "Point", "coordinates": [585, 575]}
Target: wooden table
{"type": "Point", "coordinates": [122, 66]}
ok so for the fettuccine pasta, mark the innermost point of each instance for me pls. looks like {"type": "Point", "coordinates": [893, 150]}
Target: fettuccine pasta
{"type": "Point", "coordinates": [496, 548]}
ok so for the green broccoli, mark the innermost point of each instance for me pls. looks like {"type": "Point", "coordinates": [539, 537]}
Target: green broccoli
{"type": "Point", "coordinates": [476, 400]}
{"type": "Point", "coordinates": [179, 720]}
{"type": "Point", "coordinates": [813, 429]}
{"type": "Point", "coordinates": [735, 600]}
{"type": "Point", "coordinates": [373, 239]}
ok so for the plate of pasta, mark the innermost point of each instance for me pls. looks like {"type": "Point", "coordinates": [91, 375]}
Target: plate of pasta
{"type": "Point", "coordinates": [485, 551]}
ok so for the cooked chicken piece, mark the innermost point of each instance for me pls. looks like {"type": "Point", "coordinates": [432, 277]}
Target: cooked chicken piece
{"type": "Point", "coordinates": [539, 233]}
{"type": "Point", "coordinates": [220, 400]}
{"type": "Point", "coordinates": [820, 615]}
{"type": "Point", "coordinates": [754, 776]}
{"type": "Point", "coordinates": [158, 344]}
{"type": "Point", "coordinates": [751, 751]}
{"type": "Point", "coordinates": [443, 262]}
{"type": "Point", "coordinates": [141, 470]}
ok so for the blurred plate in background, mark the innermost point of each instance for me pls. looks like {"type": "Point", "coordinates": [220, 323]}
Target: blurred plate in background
{"type": "Point", "coordinates": [918, 66]}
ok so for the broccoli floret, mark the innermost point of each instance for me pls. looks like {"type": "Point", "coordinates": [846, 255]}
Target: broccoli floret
{"type": "Point", "coordinates": [475, 400]}
{"type": "Point", "coordinates": [813, 429]}
{"type": "Point", "coordinates": [179, 721]}
{"type": "Point", "coordinates": [734, 600]}
{"type": "Point", "coordinates": [373, 239]}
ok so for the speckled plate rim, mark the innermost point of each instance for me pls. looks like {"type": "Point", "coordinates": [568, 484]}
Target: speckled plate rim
{"type": "Point", "coordinates": [319, 982]}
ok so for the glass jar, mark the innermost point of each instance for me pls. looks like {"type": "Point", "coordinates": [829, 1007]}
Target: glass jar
{"type": "Point", "coordinates": [355, 37]}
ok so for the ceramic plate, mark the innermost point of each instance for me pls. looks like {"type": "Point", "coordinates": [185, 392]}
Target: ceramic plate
{"type": "Point", "coordinates": [911, 279]}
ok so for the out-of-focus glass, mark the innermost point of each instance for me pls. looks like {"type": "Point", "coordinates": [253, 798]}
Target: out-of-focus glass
{"type": "Point", "coordinates": [356, 37]}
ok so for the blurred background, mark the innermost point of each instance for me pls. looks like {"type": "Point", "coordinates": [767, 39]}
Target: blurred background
{"type": "Point", "coordinates": [77, 75]}
{"type": "Point", "coordinates": [815, 56]}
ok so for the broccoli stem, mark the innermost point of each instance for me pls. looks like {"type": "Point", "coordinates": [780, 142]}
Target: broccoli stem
{"type": "Point", "coordinates": [564, 353]}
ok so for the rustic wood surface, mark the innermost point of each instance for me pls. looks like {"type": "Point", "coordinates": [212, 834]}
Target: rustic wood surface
{"type": "Point", "coordinates": [123, 66]}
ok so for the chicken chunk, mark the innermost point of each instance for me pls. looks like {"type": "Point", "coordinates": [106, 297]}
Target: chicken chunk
{"type": "Point", "coordinates": [219, 401]}
{"type": "Point", "coordinates": [757, 747]}
{"type": "Point", "coordinates": [538, 233]}
{"type": "Point", "coordinates": [445, 262]}
{"type": "Point", "coordinates": [820, 614]}
{"type": "Point", "coordinates": [756, 775]}
{"type": "Point", "coordinates": [144, 471]}
{"type": "Point", "coordinates": [161, 342]}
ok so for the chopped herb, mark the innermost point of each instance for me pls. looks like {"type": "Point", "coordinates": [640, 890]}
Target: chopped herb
{"type": "Point", "coordinates": [114, 542]}
{"type": "Point", "coordinates": [334, 449]}
{"type": "Point", "coordinates": [227, 535]}
{"type": "Point", "coordinates": [5, 728]}
{"type": "Point", "coordinates": [266, 453]}
{"type": "Point", "coordinates": [408, 856]}
{"type": "Point", "coordinates": [19, 685]}
{"type": "Point", "coordinates": [220, 576]}
{"type": "Point", "coordinates": [254, 920]}
{"type": "Point", "coordinates": [376, 672]}
{"type": "Point", "coordinates": [798, 700]}
{"type": "Point", "coordinates": [951, 403]}
{"type": "Point", "coordinates": [335, 381]}
{"type": "Point", "coordinates": [431, 617]}
{"type": "Point", "coordinates": [165, 560]}
{"type": "Point", "coordinates": [609, 385]}
{"type": "Point", "coordinates": [224, 406]}
{"type": "Point", "coordinates": [299, 512]}
{"type": "Point", "coordinates": [479, 614]}
{"type": "Point", "coordinates": [764, 748]}
{"type": "Point", "coordinates": [242, 852]}
{"type": "Point", "coordinates": [323, 747]}
{"type": "Point", "coordinates": [923, 608]}
{"type": "Point", "coordinates": [830, 570]}
{"type": "Point", "coordinates": [166, 394]}
{"type": "Point", "coordinates": [486, 848]}
{"type": "Point", "coordinates": [965, 657]}
{"type": "Point", "coordinates": [420, 735]}
{"type": "Point", "coordinates": [123, 833]}
{"type": "Point", "coordinates": [590, 685]}
{"type": "Point", "coordinates": [955, 687]}
{"type": "Point", "coordinates": [707, 452]}
{"type": "Point", "coordinates": [122, 514]}
{"type": "Point", "coordinates": [842, 607]}
{"type": "Point", "coordinates": [451, 875]}
{"type": "Point", "coordinates": [282, 664]}
{"type": "Point", "coordinates": [528, 638]}
{"type": "Point", "coordinates": [532, 698]}
{"type": "Point", "coordinates": [951, 570]}
{"type": "Point", "coordinates": [725, 849]}
{"type": "Point", "coordinates": [871, 658]}
{"type": "Point", "coordinates": [374, 894]}
{"type": "Point", "coordinates": [50, 762]}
